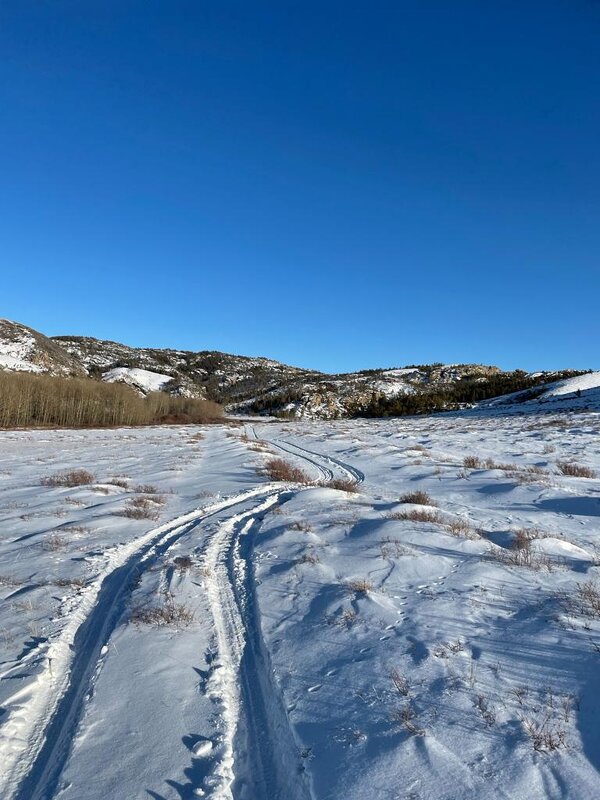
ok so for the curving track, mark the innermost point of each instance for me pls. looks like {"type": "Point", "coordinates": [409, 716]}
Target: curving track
{"type": "Point", "coordinates": [259, 757]}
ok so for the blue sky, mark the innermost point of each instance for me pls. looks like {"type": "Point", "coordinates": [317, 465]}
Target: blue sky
{"type": "Point", "coordinates": [333, 184]}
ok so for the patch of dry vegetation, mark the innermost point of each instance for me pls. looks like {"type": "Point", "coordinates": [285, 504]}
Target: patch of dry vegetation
{"type": "Point", "coordinates": [360, 586]}
{"type": "Point", "coordinates": [574, 470]}
{"type": "Point", "coordinates": [418, 515]}
{"type": "Point", "coordinates": [277, 469]}
{"type": "Point", "coordinates": [418, 497]}
{"type": "Point", "coordinates": [343, 485]}
{"type": "Point", "coordinates": [76, 477]}
{"type": "Point", "coordinates": [167, 613]}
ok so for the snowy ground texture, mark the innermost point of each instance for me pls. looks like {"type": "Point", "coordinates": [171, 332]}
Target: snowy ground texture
{"type": "Point", "coordinates": [182, 627]}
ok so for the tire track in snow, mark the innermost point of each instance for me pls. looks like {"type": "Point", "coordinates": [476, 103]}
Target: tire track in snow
{"type": "Point", "coordinates": [351, 471]}
{"type": "Point", "coordinates": [250, 702]}
{"type": "Point", "coordinates": [33, 772]}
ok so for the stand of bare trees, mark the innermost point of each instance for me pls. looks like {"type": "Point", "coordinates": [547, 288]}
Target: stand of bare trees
{"type": "Point", "coordinates": [39, 400]}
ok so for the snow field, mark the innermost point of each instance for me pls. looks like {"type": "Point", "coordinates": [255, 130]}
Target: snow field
{"type": "Point", "coordinates": [262, 640]}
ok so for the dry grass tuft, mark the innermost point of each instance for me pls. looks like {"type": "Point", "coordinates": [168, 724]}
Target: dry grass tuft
{"type": "Point", "coordinates": [55, 543]}
{"type": "Point", "coordinates": [462, 528]}
{"type": "Point", "coordinates": [360, 586]}
{"type": "Point", "coordinates": [309, 558]}
{"type": "Point", "coordinates": [418, 497]}
{"type": "Point", "coordinates": [279, 470]}
{"type": "Point", "coordinates": [142, 508]}
{"type": "Point", "coordinates": [145, 488]}
{"type": "Point", "coordinates": [575, 470]}
{"type": "Point", "coordinates": [343, 485]}
{"type": "Point", "coordinates": [167, 613]}
{"type": "Point", "coordinates": [76, 477]}
{"type": "Point", "coordinates": [418, 515]}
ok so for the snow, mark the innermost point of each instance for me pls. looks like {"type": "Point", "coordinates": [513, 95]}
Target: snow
{"type": "Point", "coordinates": [334, 644]}
{"type": "Point", "coordinates": [582, 383]}
{"type": "Point", "coordinates": [142, 379]}
{"type": "Point", "coordinates": [14, 354]}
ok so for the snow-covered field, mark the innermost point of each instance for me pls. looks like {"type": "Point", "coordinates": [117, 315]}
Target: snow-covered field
{"type": "Point", "coordinates": [183, 627]}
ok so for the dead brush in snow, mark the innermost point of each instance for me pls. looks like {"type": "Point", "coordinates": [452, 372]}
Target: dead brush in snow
{"type": "Point", "coordinates": [587, 599]}
{"type": "Point", "coordinates": [309, 558]}
{"type": "Point", "coordinates": [183, 563]}
{"type": "Point", "coordinates": [472, 462]}
{"type": "Point", "coordinates": [141, 508]}
{"type": "Point", "coordinates": [167, 613]}
{"type": "Point", "coordinates": [145, 488]}
{"type": "Point", "coordinates": [400, 682]}
{"type": "Point", "coordinates": [418, 515]}
{"type": "Point", "coordinates": [277, 469]}
{"type": "Point", "coordinates": [521, 553]}
{"type": "Point", "coordinates": [462, 528]}
{"type": "Point", "coordinates": [75, 477]}
{"type": "Point", "coordinates": [418, 497]}
{"type": "Point", "coordinates": [393, 548]}
{"type": "Point", "coordinates": [545, 734]}
{"type": "Point", "coordinates": [573, 470]}
{"type": "Point", "coordinates": [360, 586]}
{"type": "Point", "coordinates": [343, 485]}
{"type": "Point", "coordinates": [121, 482]}
{"type": "Point", "coordinates": [300, 525]}
{"type": "Point", "coordinates": [407, 717]}
{"type": "Point", "coordinates": [73, 583]}
{"type": "Point", "coordinates": [10, 581]}
{"type": "Point", "coordinates": [55, 543]}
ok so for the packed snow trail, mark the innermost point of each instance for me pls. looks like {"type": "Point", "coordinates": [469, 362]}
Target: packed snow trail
{"type": "Point", "coordinates": [263, 763]}
{"type": "Point", "coordinates": [34, 776]}
{"type": "Point", "coordinates": [322, 462]}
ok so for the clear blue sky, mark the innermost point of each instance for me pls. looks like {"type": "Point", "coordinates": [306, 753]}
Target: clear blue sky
{"type": "Point", "coordinates": [334, 184]}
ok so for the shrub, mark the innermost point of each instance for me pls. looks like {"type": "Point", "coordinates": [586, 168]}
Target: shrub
{"type": "Point", "coordinates": [407, 716]}
{"type": "Point", "coordinates": [418, 515]}
{"type": "Point", "coordinates": [167, 613]}
{"type": "Point", "coordinates": [54, 543]}
{"type": "Point", "coordinates": [575, 470]}
{"type": "Point", "coordinates": [360, 586]}
{"type": "Point", "coordinates": [588, 596]}
{"type": "Point", "coordinates": [309, 558]}
{"type": "Point", "coordinates": [74, 583]}
{"type": "Point", "coordinates": [279, 470]}
{"type": "Point", "coordinates": [472, 462]}
{"type": "Point", "coordinates": [461, 527]}
{"type": "Point", "coordinates": [418, 498]}
{"type": "Point", "coordinates": [77, 477]}
{"type": "Point", "coordinates": [140, 508]}
{"type": "Point", "coordinates": [543, 735]}
{"type": "Point", "coordinates": [183, 563]}
{"type": "Point", "coordinates": [343, 485]}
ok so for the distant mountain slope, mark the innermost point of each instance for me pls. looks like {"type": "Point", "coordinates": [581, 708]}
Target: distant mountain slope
{"type": "Point", "coordinates": [578, 392]}
{"type": "Point", "coordinates": [260, 385]}
{"type": "Point", "coordinates": [23, 349]}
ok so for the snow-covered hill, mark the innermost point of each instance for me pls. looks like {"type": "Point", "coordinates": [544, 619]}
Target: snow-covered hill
{"type": "Point", "coordinates": [576, 393]}
{"type": "Point", "coordinates": [23, 349]}
{"type": "Point", "coordinates": [248, 385]}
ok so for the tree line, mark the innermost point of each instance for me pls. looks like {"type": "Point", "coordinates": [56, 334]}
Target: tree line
{"type": "Point", "coordinates": [41, 400]}
{"type": "Point", "coordinates": [464, 392]}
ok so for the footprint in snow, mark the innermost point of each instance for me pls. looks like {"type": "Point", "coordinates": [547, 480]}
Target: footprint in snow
{"type": "Point", "coordinates": [315, 688]}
